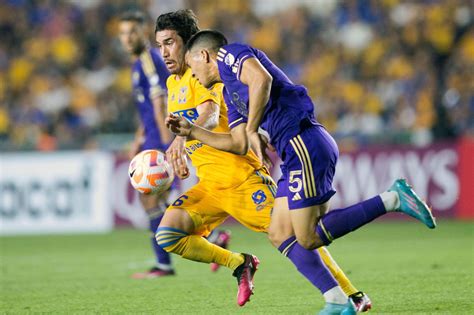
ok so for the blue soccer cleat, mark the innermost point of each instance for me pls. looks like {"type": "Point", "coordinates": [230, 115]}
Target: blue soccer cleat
{"type": "Point", "coordinates": [411, 204]}
{"type": "Point", "coordinates": [338, 309]}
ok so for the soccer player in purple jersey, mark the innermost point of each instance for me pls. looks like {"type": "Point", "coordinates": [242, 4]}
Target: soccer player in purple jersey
{"type": "Point", "coordinates": [259, 94]}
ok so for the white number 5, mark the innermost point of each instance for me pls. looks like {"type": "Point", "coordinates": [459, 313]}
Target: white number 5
{"type": "Point", "coordinates": [295, 179]}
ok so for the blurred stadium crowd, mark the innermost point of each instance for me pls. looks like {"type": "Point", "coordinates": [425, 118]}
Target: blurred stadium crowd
{"type": "Point", "coordinates": [380, 71]}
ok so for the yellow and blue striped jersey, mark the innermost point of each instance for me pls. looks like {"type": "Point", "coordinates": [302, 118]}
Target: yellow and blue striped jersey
{"type": "Point", "coordinates": [216, 168]}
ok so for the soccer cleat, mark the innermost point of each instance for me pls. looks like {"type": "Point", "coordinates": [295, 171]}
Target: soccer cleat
{"type": "Point", "coordinates": [223, 239]}
{"type": "Point", "coordinates": [339, 309]}
{"type": "Point", "coordinates": [244, 274]}
{"type": "Point", "coordinates": [361, 301]}
{"type": "Point", "coordinates": [411, 204]}
{"type": "Point", "coordinates": [154, 272]}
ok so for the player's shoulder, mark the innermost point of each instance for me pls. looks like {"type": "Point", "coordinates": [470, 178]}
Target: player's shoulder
{"type": "Point", "coordinates": [186, 79]}
{"type": "Point", "coordinates": [229, 53]}
{"type": "Point", "coordinates": [231, 57]}
{"type": "Point", "coordinates": [171, 81]}
{"type": "Point", "coordinates": [216, 92]}
{"type": "Point", "coordinates": [235, 47]}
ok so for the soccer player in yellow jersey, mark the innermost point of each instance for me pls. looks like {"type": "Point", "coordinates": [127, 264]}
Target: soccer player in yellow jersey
{"type": "Point", "coordinates": [229, 184]}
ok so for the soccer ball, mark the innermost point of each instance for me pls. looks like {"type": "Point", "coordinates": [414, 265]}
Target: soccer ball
{"type": "Point", "coordinates": [150, 173]}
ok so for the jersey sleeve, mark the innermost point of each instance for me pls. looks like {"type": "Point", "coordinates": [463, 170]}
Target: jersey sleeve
{"type": "Point", "coordinates": [232, 57]}
{"type": "Point", "coordinates": [156, 81]}
{"type": "Point", "coordinates": [202, 94]}
{"type": "Point", "coordinates": [234, 117]}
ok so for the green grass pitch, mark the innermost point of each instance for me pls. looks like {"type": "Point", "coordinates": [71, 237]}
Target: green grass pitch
{"type": "Point", "coordinates": [404, 267]}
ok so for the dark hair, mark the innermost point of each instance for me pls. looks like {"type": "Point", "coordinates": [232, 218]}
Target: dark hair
{"type": "Point", "coordinates": [134, 16]}
{"type": "Point", "coordinates": [211, 39]}
{"type": "Point", "coordinates": [184, 22]}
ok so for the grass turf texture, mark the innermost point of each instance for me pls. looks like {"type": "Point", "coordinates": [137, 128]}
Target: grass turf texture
{"type": "Point", "coordinates": [405, 268]}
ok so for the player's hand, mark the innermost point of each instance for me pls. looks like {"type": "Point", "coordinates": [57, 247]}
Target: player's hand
{"type": "Point", "coordinates": [259, 144]}
{"type": "Point", "coordinates": [176, 156]}
{"type": "Point", "coordinates": [178, 125]}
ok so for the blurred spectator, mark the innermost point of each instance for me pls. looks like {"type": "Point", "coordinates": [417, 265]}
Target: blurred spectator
{"type": "Point", "coordinates": [391, 71]}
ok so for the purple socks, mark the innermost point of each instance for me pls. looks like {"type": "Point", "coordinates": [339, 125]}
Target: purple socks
{"type": "Point", "coordinates": [162, 257]}
{"type": "Point", "coordinates": [309, 264]}
{"type": "Point", "coordinates": [337, 223]}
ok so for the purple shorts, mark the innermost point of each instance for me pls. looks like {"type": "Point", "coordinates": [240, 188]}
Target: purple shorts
{"type": "Point", "coordinates": [309, 164]}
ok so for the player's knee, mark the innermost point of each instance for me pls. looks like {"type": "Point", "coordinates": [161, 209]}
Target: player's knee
{"type": "Point", "coordinates": [309, 242]}
{"type": "Point", "coordinates": [276, 237]}
{"type": "Point", "coordinates": [169, 239]}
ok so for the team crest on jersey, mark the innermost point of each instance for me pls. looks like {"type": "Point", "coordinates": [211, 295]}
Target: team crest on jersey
{"type": "Point", "coordinates": [229, 59]}
{"type": "Point", "coordinates": [182, 95]}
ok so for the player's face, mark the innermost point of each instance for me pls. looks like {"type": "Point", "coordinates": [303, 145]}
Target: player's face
{"type": "Point", "coordinates": [204, 68]}
{"type": "Point", "coordinates": [171, 47]}
{"type": "Point", "coordinates": [132, 37]}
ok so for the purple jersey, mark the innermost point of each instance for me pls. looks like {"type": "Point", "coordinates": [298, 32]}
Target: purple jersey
{"type": "Point", "coordinates": [149, 76]}
{"type": "Point", "coordinates": [288, 108]}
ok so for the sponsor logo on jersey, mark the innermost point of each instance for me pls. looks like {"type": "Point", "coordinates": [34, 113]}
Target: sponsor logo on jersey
{"type": "Point", "coordinates": [259, 197]}
{"type": "Point", "coordinates": [190, 114]}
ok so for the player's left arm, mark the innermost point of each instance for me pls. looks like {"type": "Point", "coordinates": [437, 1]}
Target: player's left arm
{"type": "Point", "coordinates": [208, 118]}
{"type": "Point", "coordinates": [234, 142]}
{"type": "Point", "coordinates": [259, 82]}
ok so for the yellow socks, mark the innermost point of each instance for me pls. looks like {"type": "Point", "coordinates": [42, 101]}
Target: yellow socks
{"type": "Point", "coordinates": [196, 248]}
{"type": "Point", "coordinates": [337, 272]}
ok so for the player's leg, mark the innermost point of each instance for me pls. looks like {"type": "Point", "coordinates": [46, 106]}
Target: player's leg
{"type": "Point", "coordinates": [281, 230]}
{"type": "Point", "coordinates": [311, 161]}
{"type": "Point", "coordinates": [224, 199]}
{"type": "Point", "coordinates": [155, 206]}
{"type": "Point", "coordinates": [307, 187]}
{"type": "Point", "coordinates": [174, 235]}
{"type": "Point", "coordinates": [251, 204]}
{"type": "Point", "coordinates": [361, 300]}
{"type": "Point", "coordinates": [307, 262]}
{"type": "Point", "coordinates": [220, 237]}
{"type": "Point", "coordinates": [339, 222]}
{"type": "Point", "coordinates": [194, 215]}
{"type": "Point", "coordinates": [255, 213]}
{"type": "Point", "coordinates": [186, 222]}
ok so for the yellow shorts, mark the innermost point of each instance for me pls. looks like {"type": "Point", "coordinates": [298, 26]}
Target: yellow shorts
{"type": "Point", "coordinates": [250, 203]}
